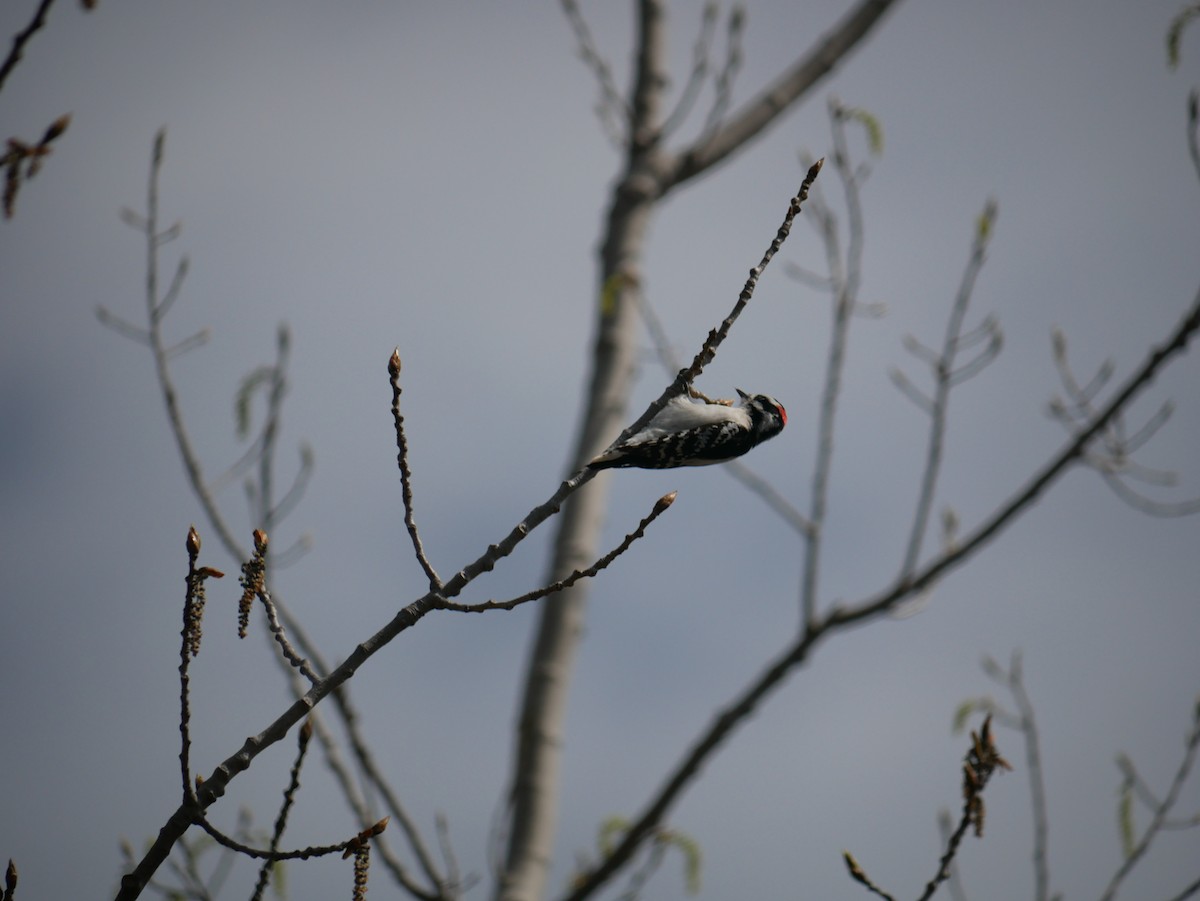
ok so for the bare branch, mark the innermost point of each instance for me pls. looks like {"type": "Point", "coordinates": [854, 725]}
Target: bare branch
{"type": "Point", "coordinates": [1156, 359]}
{"type": "Point", "coordinates": [976, 365]}
{"type": "Point", "coordinates": [289, 797]}
{"type": "Point", "coordinates": [122, 327]}
{"type": "Point", "coordinates": [292, 496]}
{"type": "Point", "coordinates": [700, 52]}
{"type": "Point", "coordinates": [1193, 128]}
{"type": "Point", "coordinates": [179, 348]}
{"type": "Point", "coordinates": [611, 107]}
{"type": "Point", "coordinates": [1162, 811]}
{"type": "Point", "coordinates": [1013, 680]}
{"type": "Point", "coordinates": [807, 276]}
{"type": "Point", "coordinates": [859, 875]}
{"type": "Point", "coordinates": [1080, 397]}
{"type": "Point", "coordinates": [660, 507]}
{"type": "Point", "coordinates": [435, 582]}
{"type": "Point", "coordinates": [1137, 500]}
{"type": "Point", "coordinates": [770, 495]}
{"type": "Point", "coordinates": [723, 92]}
{"type": "Point", "coordinates": [764, 109]}
{"type": "Point", "coordinates": [289, 652]}
{"type": "Point", "coordinates": [911, 391]}
{"type": "Point", "coordinates": [21, 38]}
{"type": "Point", "coordinates": [297, 854]}
{"type": "Point", "coordinates": [926, 355]}
{"type": "Point", "coordinates": [1135, 441]}
{"type": "Point", "coordinates": [845, 275]}
{"type": "Point", "coordinates": [172, 292]}
{"type": "Point", "coordinates": [945, 377]}
{"type": "Point", "coordinates": [953, 881]}
{"type": "Point", "coordinates": [985, 331]}
{"type": "Point", "coordinates": [1189, 892]}
{"type": "Point", "coordinates": [1112, 460]}
{"type": "Point", "coordinates": [1148, 798]}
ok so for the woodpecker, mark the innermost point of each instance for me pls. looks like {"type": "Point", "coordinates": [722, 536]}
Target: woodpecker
{"type": "Point", "coordinates": [698, 432]}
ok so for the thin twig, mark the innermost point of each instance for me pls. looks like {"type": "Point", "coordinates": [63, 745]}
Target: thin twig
{"type": "Point", "coordinates": [1148, 798]}
{"type": "Point", "coordinates": [1160, 813]}
{"type": "Point", "coordinates": [859, 875]}
{"type": "Point", "coordinates": [700, 54]}
{"type": "Point", "coordinates": [945, 376]}
{"type": "Point", "coordinates": [286, 504]}
{"type": "Point", "coordinates": [660, 507]}
{"type": "Point", "coordinates": [844, 275]}
{"type": "Point", "coordinates": [307, 853]}
{"type": "Point", "coordinates": [1188, 892]}
{"type": "Point", "coordinates": [1112, 460]}
{"type": "Point", "coordinates": [121, 327]}
{"type": "Point", "coordinates": [613, 111]}
{"type": "Point", "coordinates": [1193, 128]}
{"type": "Point", "coordinates": [723, 88]}
{"type": "Point", "coordinates": [21, 38]}
{"type": "Point", "coordinates": [290, 654]}
{"type": "Point", "coordinates": [289, 798]}
{"type": "Point", "coordinates": [277, 381]}
{"type": "Point", "coordinates": [1037, 783]}
{"type": "Point", "coordinates": [435, 582]}
{"type": "Point", "coordinates": [954, 881]}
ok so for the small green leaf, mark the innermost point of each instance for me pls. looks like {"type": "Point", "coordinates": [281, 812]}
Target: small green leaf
{"type": "Point", "coordinates": [692, 858]}
{"type": "Point", "coordinates": [871, 125]}
{"type": "Point", "coordinates": [610, 830]}
{"type": "Point", "coordinates": [961, 714]}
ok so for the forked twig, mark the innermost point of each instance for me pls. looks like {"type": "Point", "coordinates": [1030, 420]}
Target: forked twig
{"type": "Point", "coordinates": [946, 373]}
{"type": "Point", "coordinates": [612, 109]}
{"type": "Point", "coordinates": [214, 788]}
{"type": "Point", "coordinates": [156, 307]}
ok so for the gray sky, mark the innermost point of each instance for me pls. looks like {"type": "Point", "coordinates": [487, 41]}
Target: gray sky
{"type": "Point", "coordinates": [432, 176]}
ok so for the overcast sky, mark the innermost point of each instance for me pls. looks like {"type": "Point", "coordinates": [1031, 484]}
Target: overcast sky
{"type": "Point", "coordinates": [433, 176]}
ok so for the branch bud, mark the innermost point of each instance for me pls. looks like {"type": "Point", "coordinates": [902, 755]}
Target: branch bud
{"type": "Point", "coordinates": [57, 127]}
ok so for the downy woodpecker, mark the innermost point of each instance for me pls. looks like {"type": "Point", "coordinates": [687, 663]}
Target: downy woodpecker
{"type": "Point", "coordinates": [698, 432]}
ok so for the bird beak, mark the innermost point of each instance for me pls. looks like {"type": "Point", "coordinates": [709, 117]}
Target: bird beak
{"type": "Point", "coordinates": [742, 394]}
